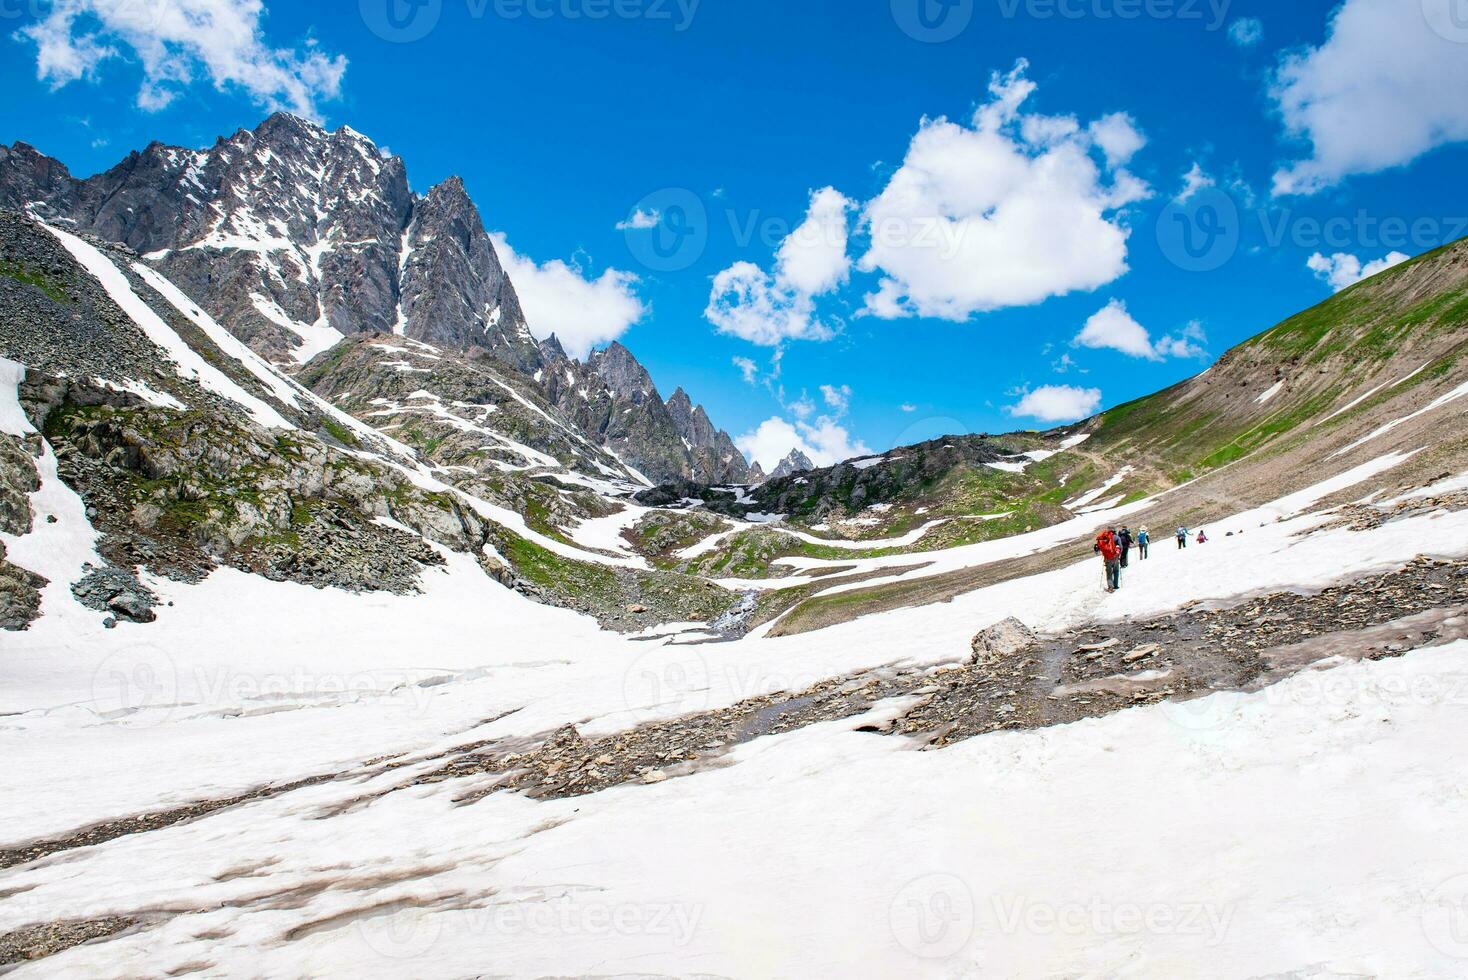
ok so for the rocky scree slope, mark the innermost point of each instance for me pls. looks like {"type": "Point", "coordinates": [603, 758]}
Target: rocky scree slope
{"type": "Point", "coordinates": [457, 411]}
{"type": "Point", "coordinates": [167, 448]}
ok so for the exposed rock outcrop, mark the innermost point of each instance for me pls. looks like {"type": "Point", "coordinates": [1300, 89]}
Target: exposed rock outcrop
{"type": "Point", "coordinates": [796, 462]}
{"type": "Point", "coordinates": [290, 235]}
{"type": "Point", "coordinates": [20, 594]}
{"type": "Point", "coordinates": [613, 400]}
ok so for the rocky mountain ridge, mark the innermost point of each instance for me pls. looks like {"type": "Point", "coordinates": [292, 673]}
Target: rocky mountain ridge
{"type": "Point", "coordinates": [293, 237]}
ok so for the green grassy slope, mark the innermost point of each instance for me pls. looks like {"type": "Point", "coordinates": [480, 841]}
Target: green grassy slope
{"type": "Point", "coordinates": [1375, 344]}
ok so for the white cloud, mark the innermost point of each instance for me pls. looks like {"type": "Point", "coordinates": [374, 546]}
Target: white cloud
{"type": "Point", "coordinates": [813, 259]}
{"type": "Point", "coordinates": [1008, 211]}
{"type": "Point", "coordinates": [908, 408]}
{"type": "Point", "coordinates": [1064, 365]}
{"type": "Point", "coordinates": [749, 303]}
{"type": "Point", "coordinates": [1112, 327]}
{"type": "Point", "coordinates": [887, 303]}
{"type": "Point", "coordinates": [177, 42]}
{"type": "Point", "coordinates": [825, 441]}
{"type": "Point", "coordinates": [1246, 32]}
{"type": "Point", "coordinates": [1118, 137]}
{"type": "Point", "coordinates": [558, 299]}
{"type": "Point", "coordinates": [1186, 343]}
{"type": "Point", "coordinates": [1194, 181]}
{"type": "Point", "coordinates": [837, 398]}
{"type": "Point", "coordinates": [1375, 95]}
{"type": "Point", "coordinates": [1342, 270]}
{"type": "Point", "coordinates": [1057, 403]}
{"type": "Point", "coordinates": [640, 221]}
{"type": "Point", "coordinates": [1048, 130]}
{"type": "Point", "coordinates": [764, 308]}
{"type": "Point", "coordinates": [747, 368]}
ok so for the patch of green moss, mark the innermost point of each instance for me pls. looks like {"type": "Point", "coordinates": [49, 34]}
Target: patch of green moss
{"type": "Point", "coordinates": [323, 364]}
{"type": "Point", "coordinates": [33, 277]}
{"type": "Point", "coordinates": [340, 433]}
{"type": "Point", "coordinates": [537, 509]}
{"type": "Point", "coordinates": [561, 575]}
{"type": "Point", "coordinates": [745, 555]}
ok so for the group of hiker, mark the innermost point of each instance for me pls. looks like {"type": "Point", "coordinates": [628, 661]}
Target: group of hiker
{"type": "Point", "coordinates": [1115, 548]}
{"type": "Point", "coordinates": [1182, 537]}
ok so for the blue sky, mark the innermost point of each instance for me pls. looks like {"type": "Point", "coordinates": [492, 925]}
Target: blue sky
{"type": "Point", "coordinates": [1025, 277]}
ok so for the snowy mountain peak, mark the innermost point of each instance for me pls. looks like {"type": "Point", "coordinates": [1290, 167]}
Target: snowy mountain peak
{"type": "Point", "coordinates": [623, 373]}
{"type": "Point", "coordinates": [294, 237]}
{"type": "Point", "coordinates": [796, 462]}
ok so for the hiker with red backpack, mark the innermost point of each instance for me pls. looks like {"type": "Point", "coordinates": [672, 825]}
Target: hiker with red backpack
{"type": "Point", "coordinates": [1108, 546]}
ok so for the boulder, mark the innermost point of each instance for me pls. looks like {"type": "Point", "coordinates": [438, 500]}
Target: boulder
{"type": "Point", "coordinates": [110, 589]}
{"type": "Point", "coordinates": [1142, 653]}
{"type": "Point", "coordinates": [1002, 640]}
{"type": "Point", "coordinates": [20, 594]}
{"type": "Point", "coordinates": [133, 606]}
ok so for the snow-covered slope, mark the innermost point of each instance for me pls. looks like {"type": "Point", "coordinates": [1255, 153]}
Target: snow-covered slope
{"type": "Point", "coordinates": [1141, 842]}
{"type": "Point", "coordinates": [191, 451]}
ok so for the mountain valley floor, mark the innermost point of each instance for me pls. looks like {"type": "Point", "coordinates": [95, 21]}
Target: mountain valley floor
{"type": "Point", "coordinates": [855, 801]}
